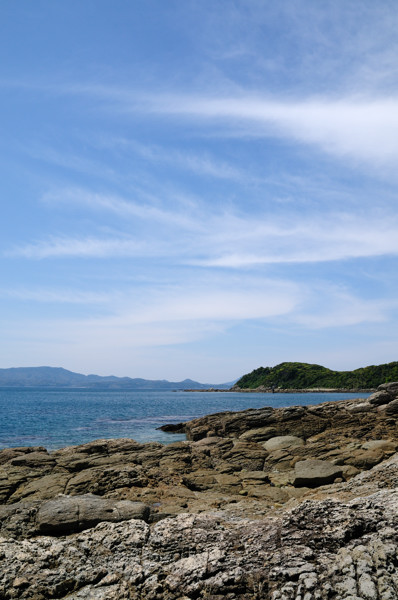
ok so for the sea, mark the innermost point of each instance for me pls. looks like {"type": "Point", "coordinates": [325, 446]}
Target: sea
{"type": "Point", "coordinates": [59, 417]}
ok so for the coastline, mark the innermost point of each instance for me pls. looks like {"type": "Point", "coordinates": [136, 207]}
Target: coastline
{"type": "Point", "coordinates": [60, 418]}
{"type": "Point", "coordinates": [255, 504]}
{"type": "Point", "coordinates": [264, 390]}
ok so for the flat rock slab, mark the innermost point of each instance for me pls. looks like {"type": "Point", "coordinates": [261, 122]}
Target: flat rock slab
{"type": "Point", "coordinates": [67, 514]}
{"type": "Point", "coordinates": [261, 434]}
{"type": "Point", "coordinates": [384, 445]}
{"type": "Point", "coordinates": [313, 472]}
{"type": "Point", "coordinates": [283, 442]}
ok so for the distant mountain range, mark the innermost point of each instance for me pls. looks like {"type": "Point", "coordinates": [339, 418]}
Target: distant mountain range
{"type": "Point", "coordinates": [59, 377]}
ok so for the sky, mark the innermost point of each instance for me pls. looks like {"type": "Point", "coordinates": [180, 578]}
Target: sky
{"type": "Point", "coordinates": [196, 188]}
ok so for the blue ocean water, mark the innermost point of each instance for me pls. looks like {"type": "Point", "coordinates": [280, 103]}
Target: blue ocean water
{"type": "Point", "coordinates": [55, 418]}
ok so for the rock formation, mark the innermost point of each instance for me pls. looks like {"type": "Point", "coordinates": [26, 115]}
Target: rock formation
{"type": "Point", "coordinates": [291, 503]}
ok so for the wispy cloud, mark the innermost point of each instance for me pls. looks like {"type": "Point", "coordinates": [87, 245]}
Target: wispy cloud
{"type": "Point", "coordinates": [200, 164]}
{"type": "Point", "coordinates": [61, 247]}
{"type": "Point", "coordinates": [332, 237]}
{"type": "Point", "coordinates": [332, 307]}
{"type": "Point", "coordinates": [212, 237]}
{"type": "Point", "coordinates": [359, 126]}
{"type": "Point", "coordinates": [219, 303]}
{"type": "Point", "coordinates": [364, 129]}
{"type": "Point", "coordinates": [200, 310]}
{"type": "Point", "coordinates": [58, 295]}
{"type": "Point", "coordinates": [119, 206]}
{"type": "Point", "coordinates": [71, 161]}
{"type": "Point", "coordinates": [172, 314]}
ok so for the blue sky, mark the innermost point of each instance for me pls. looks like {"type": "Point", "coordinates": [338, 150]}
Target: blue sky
{"type": "Point", "coordinates": [198, 188]}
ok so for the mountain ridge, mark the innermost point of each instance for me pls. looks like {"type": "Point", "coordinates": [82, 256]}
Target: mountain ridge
{"type": "Point", "coordinates": [59, 377]}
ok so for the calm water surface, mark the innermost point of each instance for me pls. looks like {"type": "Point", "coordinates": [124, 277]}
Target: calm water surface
{"type": "Point", "coordinates": [55, 418]}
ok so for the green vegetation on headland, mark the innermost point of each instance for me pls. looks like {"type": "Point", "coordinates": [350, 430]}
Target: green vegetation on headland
{"type": "Point", "coordinates": [296, 375]}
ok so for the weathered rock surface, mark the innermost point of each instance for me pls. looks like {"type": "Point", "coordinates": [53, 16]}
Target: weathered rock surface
{"type": "Point", "coordinates": [319, 550]}
{"type": "Point", "coordinates": [313, 473]}
{"type": "Point", "coordinates": [283, 442]}
{"type": "Point", "coordinates": [292, 503]}
{"type": "Point", "coordinates": [66, 514]}
{"type": "Point", "coordinates": [269, 440]}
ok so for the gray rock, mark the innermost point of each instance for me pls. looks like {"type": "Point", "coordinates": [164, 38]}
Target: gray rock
{"type": "Point", "coordinates": [314, 472]}
{"type": "Point", "coordinates": [261, 434]}
{"type": "Point", "coordinates": [391, 387]}
{"type": "Point", "coordinates": [247, 455]}
{"type": "Point", "coordinates": [8, 453]}
{"type": "Point", "coordinates": [293, 412]}
{"type": "Point", "coordinates": [67, 514]}
{"type": "Point", "coordinates": [392, 408]}
{"type": "Point", "coordinates": [33, 460]}
{"type": "Point", "coordinates": [253, 476]}
{"type": "Point", "coordinates": [282, 442]}
{"type": "Point", "coordinates": [316, 550]}
{"type": "Point", "coordinates": [381, 397]}
{"type": "Point", "coordinates": [207, 441]}
{"type": "Point", "coordinates": [359, 407]}
{"type": "Point", "coordinates": [385, 445]}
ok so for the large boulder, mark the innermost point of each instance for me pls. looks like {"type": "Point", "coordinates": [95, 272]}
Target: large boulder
{"type": "Point", "coordinates": [392, 408]}
{"type": "Point", "coordinates": [67, 514]}
{"type": "Point", "coordinates": [391, 387]}
{"type": "Point", "coordinates": [380, 398]}
{"type": "Point", "coordinates": [314, 472]}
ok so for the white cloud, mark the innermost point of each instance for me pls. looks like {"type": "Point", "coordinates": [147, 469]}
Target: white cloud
{"type": "Point", "coordinates": [198, 311]}
{"type": "Point", "coordinates": [62, 247]}
{"type": "Point", "coordinates": [214, 238]}
{"type": "Point", "coordinates": [119, 206]}
{"type": "Point", "coordinates": [332, 237]}
{"type": "Point", "coordinates": [264, 300]}
{"type": "Point", "coordinates": [200, 164]}
{"type": "Point", "coordinates": [70, 161]}
{"type": "Point", "coordinates": [170, 315]}
{"type": "Point", "coordinates": [342, 309]}
{"type": "Point", "coordinates": [364, 129]}
{"type": "Point", "coordinates": [361, 126]}
{"type": "Point", "coordinates": [58, 295]}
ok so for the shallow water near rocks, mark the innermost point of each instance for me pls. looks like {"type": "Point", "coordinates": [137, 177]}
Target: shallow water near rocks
{"type": "Point", "coordinates": [56, 417]}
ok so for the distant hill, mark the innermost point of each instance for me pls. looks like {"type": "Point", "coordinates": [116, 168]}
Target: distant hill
{"type": "Point", "coordinates": [58, 377]}
{"type": "Point", "coordinates": [303, 375]}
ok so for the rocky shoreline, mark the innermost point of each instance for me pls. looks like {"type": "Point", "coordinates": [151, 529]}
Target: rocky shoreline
{"type": "Point", "coordinates": [289, 503]}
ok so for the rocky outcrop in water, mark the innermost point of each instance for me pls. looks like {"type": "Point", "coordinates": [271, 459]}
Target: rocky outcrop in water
{"type": "Point", "coordinates": [294, 503]}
